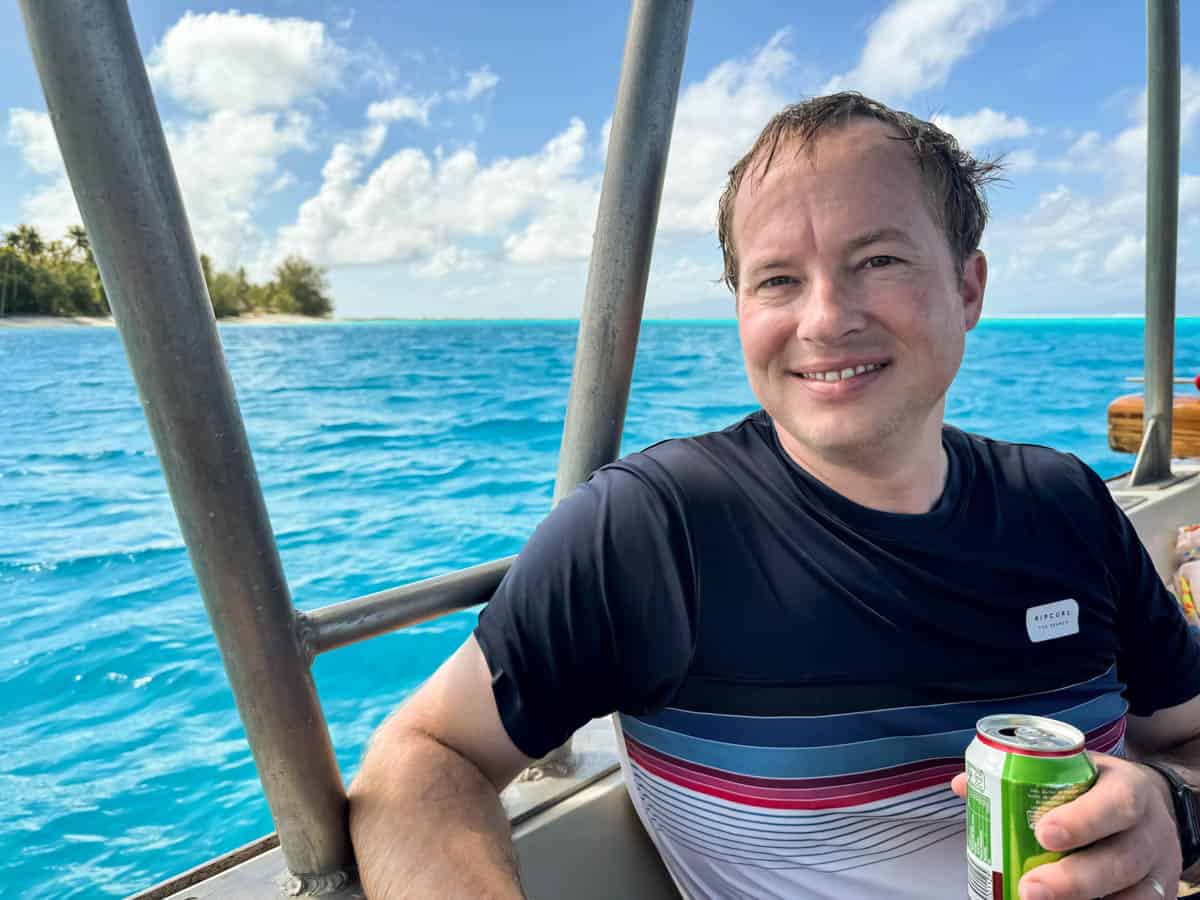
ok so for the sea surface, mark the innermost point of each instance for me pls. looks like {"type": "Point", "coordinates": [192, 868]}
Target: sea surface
{"type": "Point", "coordinates": [387, 452]}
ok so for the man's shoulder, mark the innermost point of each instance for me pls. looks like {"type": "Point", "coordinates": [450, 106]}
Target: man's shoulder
{"type": "Point", "coordinates": [683, 473]}
{"type": "Point", "coordinates": [1037, 469]}
{"type": "Point", "coordinates": [684, 460]}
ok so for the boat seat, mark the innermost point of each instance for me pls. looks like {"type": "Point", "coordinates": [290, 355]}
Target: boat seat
{"type": "Point", "coordinates": [591, 846]}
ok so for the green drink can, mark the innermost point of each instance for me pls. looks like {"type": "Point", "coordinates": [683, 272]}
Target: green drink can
{"type": "Point", "coordinates": [1018, 769]}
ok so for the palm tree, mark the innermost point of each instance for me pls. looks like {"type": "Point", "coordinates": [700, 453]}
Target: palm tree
{"type": "Point", "coordinates": [26, 239]}
{"type": "Point", "coordinates": [78, 241]}
{"type": "Point", "coordinates": [6, 279]}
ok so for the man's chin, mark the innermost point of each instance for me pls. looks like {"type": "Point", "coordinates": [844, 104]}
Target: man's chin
{"type": "Point", "coordinates": [836, 441]}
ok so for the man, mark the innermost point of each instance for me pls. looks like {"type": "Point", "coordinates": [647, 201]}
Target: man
{"type": "Point", "coordinates": [801, 617]}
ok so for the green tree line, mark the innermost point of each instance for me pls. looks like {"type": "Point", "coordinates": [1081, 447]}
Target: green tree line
{"type": "Point", "coordinates": [60, 278]}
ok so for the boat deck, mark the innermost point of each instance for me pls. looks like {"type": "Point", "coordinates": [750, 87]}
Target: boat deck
{"type": "Point", "coordinates": [573, 836]}
{"type": "Point", "coordinates": [579, 836]}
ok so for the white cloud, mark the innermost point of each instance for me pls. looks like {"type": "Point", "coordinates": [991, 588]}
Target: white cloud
{"type": "Point", "coordinates": [51, 206]}
{"type": "Point", "coordinates": [402, 107]}
{"type": "Point", "coordinates": [372, 140]}
{"type": "Point", "coordinates": [245, 62]}
{"type": "Point", "coordinates": [242, 72]}
{"type": "Point", "coordinates": [1081, 263]}
{"type": "Point", "coordinates": [1019, 162]}
{"type": "Point", "coordinates": [479, 83]}
{"type": "Point", "coordinates": [913, 45]}
{"type": "Point", "coordinates": [716, 121]}
{"type": "Point", "coordinates": [1125, 155]}
{"type": "Point", "coordinates": [563, 228]}
{"type": "Point", "coordinates": [1086, 143]}
{"type": "Point", "coordinates": [1097, 224]}
{"type": "Point", "coordinates": [1189, 102]}
{"type": "Point", "coordinates": [541, 207]}
{"type": "Point", "coordinates": [449, 259]}
{"type": "Point", "coordinates": [31, 132]}
{"type": "Point", "coordinates": [412, 206]}
{"type": "Point", "coordinates": [1189, 194]}
{"type": "Point", "coordinates": [1065, 222]}
{"type": "Point", "coordinates": [220, 190]}
{"type": "Point", "coordinates": [982, 128]}
{"type": "Point", "coordinates": [282, 183]}
{"type": "Point", "coordinates": [222, 161]}
{"type": "Point", "coordinates": [1129, 252]}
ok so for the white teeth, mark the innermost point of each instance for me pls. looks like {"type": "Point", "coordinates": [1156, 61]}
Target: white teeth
{"type": "Point", "coordinates": [839, 374]}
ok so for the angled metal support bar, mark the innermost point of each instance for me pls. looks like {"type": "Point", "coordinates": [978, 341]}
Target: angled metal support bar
{"type": "Point", "coordinates": [340, 624]}
{"type": "Point", "coordinates": [116, 156]}
{"type": "Point", "coordinates": [1162, 219]}
{"type": "Point", "coordinates": [620, 265]}
{"type": "Point", "coordinates": [625, 224]}
{"type": "Point", "coordinates": [1151, 434]}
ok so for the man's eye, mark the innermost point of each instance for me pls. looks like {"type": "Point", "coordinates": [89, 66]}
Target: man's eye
{"type": "Point", "coordinates": [776, 281]}
{"type": "Point", "coordinates": [880, 262]}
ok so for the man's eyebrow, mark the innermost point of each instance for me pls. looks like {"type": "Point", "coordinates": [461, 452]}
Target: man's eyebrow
{"type": "Point", "coordinates": [773, 263]}
{"type": "Point", "coordinates": [878, 235]}
{"type": "Point", "coordinates": [769, 265]}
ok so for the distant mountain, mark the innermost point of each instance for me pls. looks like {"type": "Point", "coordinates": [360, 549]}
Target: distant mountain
{"type": "Point", "coordinates": [712, 308]}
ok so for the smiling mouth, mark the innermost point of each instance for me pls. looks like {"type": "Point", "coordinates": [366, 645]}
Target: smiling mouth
{"type": "Point", "coordinates": [841, 374]}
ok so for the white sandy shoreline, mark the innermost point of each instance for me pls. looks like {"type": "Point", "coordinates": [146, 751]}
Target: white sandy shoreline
{"type": "Point", "coordinates": [107, 322]}
{"type": "Point", "coordinates": [257, 319]}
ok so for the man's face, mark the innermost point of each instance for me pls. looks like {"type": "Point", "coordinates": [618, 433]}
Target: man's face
{"type": "Point", "coordinates": [851, 314]}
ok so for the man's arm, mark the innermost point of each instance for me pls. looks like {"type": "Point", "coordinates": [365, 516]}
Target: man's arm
{"type": "Point", "coordinates": [425, 814]}
{"type": "Point", "coordinates": [1170, 736]}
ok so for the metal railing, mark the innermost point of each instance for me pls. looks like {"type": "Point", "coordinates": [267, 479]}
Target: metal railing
{"type": "Point", "coordinates": [112, 142]}
{"type": "Point", "coordinates": [619, 268]}
{"type": "Point", "coordinates": [341, 624]}
{"type": "Point", "coordinates": [1153, 462]}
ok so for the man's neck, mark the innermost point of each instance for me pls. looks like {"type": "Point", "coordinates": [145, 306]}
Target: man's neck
{"type": "Point", "coordinates": [908, 479]}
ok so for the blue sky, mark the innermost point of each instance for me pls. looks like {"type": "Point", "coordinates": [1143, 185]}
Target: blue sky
{"type": "Point", "coordinates": [444, 159]}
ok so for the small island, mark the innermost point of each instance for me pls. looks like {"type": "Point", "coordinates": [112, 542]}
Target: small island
{"type": "Point", "coordinates": [60, 278]}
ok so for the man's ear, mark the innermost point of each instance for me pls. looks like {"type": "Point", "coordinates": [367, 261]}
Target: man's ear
{"type": "Point", "coordinates": [971, 287]}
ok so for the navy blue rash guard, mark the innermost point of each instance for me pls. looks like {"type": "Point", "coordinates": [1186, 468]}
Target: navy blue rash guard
{"type": "Point", "coordinates": [797, 676]}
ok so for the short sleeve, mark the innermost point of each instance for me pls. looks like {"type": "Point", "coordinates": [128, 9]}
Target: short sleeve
{"type": "Point", "coordinates": [597, 613]}
{"type": "Point", "coordinates": [1159, 657]}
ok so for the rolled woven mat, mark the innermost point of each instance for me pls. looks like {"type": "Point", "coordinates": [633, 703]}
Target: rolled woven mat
{"type": "Point", "coordinates": [1125, 425]}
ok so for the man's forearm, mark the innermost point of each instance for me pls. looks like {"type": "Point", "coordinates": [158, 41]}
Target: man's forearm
{"type": "Point", "coordinates": [1185, 760]}
{"type": "Point", "coordinates": [426, 823]}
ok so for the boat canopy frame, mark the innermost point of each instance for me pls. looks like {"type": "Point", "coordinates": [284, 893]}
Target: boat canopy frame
{"type": "Point", "coordinates": [101, 106]}
{"type": "Point", "coordinates": [1153, 462]}
{"type": "Point", "coordinates": [100, 103]}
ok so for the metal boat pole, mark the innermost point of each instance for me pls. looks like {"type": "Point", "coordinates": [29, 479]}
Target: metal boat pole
{"type": "Point", "coordinates": [1153, 461]}
{"type": "Point", "coordinates": [624, 238]}
{"type": "Point", "coordinates": [112, 142]}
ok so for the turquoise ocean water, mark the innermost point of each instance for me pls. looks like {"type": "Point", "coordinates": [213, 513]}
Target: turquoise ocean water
{"type": "Point", "coordinates": [387, 452]}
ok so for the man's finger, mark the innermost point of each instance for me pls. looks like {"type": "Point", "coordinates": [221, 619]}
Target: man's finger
{"type": "Point", "coordinates": [1116, 802]}
{"type": "Point", "coordinates": [958, 784]}
{"type": "Point", "coordinates": [1146, 890]}
{"type": "Point", "coordinates": [1113, 865]}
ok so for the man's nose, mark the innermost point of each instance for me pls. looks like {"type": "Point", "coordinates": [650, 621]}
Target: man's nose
{"type": "Point", "coordinates": [829, 312]}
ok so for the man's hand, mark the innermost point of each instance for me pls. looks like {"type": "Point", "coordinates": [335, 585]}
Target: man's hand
{"type": "Point", "coordinates": [1127, 825]}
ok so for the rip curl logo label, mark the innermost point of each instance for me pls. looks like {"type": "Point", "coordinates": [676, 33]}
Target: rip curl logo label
{"type": "Point", "coordinates": [1052, 620]}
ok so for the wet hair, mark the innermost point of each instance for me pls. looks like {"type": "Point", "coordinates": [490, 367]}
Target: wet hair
{"type": "Point", "coordinates": [954, 179]}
